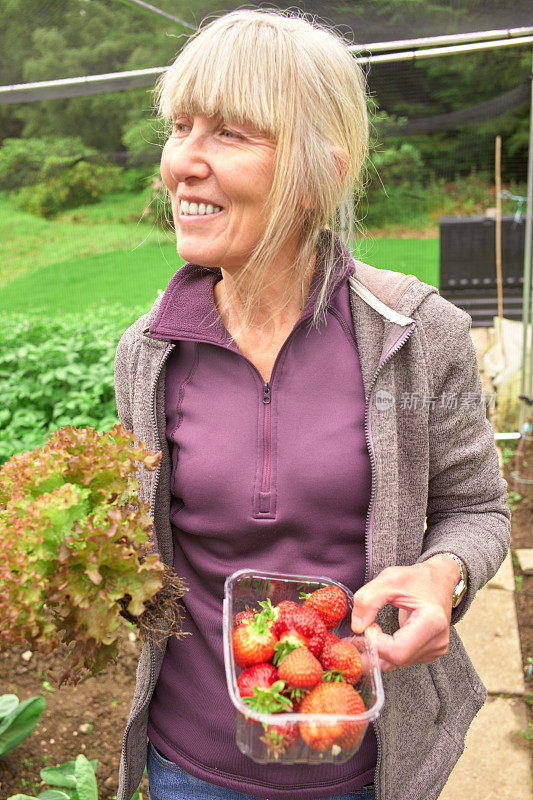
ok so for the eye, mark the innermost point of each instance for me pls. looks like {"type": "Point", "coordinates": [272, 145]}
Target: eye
{"type": "Point", "coordinates": [178, 126]}
{"type": "Point", "coordinates": [231, 134]}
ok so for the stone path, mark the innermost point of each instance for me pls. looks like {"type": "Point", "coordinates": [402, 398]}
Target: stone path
{"type": "Point", "coordinates": [496, 762]}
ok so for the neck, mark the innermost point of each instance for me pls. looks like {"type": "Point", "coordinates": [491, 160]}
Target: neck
{"type": "Point", "coordinates": [272, 314]}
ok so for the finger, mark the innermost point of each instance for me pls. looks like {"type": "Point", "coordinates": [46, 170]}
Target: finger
{"type": "Point", "coordinates": [388, 587]}
{"type": "Point", "coordinates": [417, 642]}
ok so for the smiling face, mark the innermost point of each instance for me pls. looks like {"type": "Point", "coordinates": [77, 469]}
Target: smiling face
{"type": "Point", "coordinates": [219, 176]}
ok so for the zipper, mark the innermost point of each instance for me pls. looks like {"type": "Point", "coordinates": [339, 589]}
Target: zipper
{"type": "Point", "coordinates": [370, 513]}
{"type": "Point", "coordinates": [166, 354]}
{"type": "Point", "coordinates": [136, 716]}
{"type": "Point", "coordinates": [152, 504]}
{"type": "Point", "coordinates": [267, 448]}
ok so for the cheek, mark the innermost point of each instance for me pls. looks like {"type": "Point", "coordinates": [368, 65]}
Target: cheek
{"type": "Point", "coordinates": [166, 172]}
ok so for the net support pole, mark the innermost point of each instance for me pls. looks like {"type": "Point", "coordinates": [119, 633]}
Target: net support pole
{"type": "Point", "coordinates": [527, 374]}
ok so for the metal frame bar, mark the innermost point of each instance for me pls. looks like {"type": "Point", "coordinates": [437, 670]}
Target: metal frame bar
{"type": "Point", "coordinates": [159, 12]}
{"type": "Point", "coordinates": [432, 41]}
{"type": "Point", "coordinates": [119, 81]}
{"type": "Point", "coordinates": [433, 52]}
{"type": "Point", "coordinates": [527, 302]}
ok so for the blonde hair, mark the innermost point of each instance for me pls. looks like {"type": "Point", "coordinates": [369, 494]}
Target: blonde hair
{"type": "Point", "coordinates": [296, 81]}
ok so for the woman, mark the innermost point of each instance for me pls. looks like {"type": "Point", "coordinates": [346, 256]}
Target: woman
{"type": "Point", "coordinates": [304, 407]}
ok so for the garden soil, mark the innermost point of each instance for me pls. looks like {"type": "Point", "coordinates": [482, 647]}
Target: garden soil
{"type": "Point", "coordinates": [89, 718]}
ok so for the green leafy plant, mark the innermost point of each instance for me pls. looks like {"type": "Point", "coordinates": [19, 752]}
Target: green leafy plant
{"type": "Point", "coordinates": [513, 500]}
{"type": "Point", "coordinates": [56, 372]}
{"type": "Point", "coordinates": [63, 184]}
{"type": "Point", "coordinates": [507, 454]}
{"type": "Point", "coordinates": [21, 160]}
{"type": "Point", "coordinates": [18, 720]}
{"type": "Point", "coordinates": [73, 780]}
{"type": "Point", "coordinates": [76, 554]}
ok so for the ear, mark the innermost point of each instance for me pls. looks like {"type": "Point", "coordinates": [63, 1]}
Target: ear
{"type": "Point", "coordinates": [342, 161]}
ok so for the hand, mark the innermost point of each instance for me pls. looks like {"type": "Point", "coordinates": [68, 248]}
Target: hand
{"type": "Point", "coordinates": [423, 594]}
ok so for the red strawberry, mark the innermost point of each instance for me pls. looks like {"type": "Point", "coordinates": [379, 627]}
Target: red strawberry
{"type": "Point", "coordinates": [300, 669]}
{"type": "Point", "coordinates": [278, 738]}
{"type": "Point", "coordinates": [259, 676]}
{"type": "Point", "coordinates": [308, 622]}
{"type": "Point", "coordinates": [283, 616]}
{"type": "Point", "coordinates": [253, 641]}
{"type": "Point", "coordinates": [343, 659]}
{"type": "Point", "coordinates": [329, 639]}
{"type": "Point", "coordinates": [288, 641]}
{"type": "Point", "coordinates": [332, 698]}
{"type": "Point", "coordinates": [242, 616]}
{"type": "Point", "coordinates": [330, 602]}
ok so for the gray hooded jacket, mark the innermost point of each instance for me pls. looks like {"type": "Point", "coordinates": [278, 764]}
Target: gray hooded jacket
{"type": "Point", "coordinates": [436, 487]}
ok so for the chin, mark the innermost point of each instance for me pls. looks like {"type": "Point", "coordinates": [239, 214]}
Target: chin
{"type": "Point", "coordinates": [194, 255]}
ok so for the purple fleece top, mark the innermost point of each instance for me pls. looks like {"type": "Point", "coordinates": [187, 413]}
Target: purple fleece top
{"type": "Point", "coordinates": [281, 485]}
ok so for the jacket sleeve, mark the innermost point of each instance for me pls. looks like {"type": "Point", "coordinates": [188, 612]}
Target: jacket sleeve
{"type": "Point", "coordinates": [467, 512]}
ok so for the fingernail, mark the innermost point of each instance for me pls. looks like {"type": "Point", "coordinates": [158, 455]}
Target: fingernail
{"type": "Point", "coordinates": [357, 625]}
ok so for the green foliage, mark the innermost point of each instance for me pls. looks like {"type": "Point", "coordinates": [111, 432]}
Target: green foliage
{"type": "Point", "coordinates": [76, 780]}
{"type": "Point", "coordinates": [21, 160]}
{"type": "Point", "coordinates": [72, 535]}
{"type": "Point", "coordinates": [18, 720]}
{"type": "Point", "coordinates": [62, 185]}
{"type": "Point", "coordinates": [56, 371]}
{"type": "Point", "coordinates": [508, 453]}
{"type": "Point", "coordinates": [146, 134]}
{"type": "Point", "coordinates": [137, 179]}
{"type": "Point", "coordinates": [397, 164]}
{"type": "Point", "coordinates": [514, 499]}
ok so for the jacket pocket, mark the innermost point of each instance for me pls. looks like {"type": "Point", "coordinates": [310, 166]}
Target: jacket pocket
{"type": "Point", "coordinates": [441, 685]}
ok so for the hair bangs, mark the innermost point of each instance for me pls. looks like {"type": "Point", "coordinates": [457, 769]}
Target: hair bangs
{"type": "Point", "coordinates": [239, 76]}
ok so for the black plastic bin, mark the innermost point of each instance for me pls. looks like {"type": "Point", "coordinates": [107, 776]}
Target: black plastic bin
{"type": "Point", "coordinates": [468, 266]}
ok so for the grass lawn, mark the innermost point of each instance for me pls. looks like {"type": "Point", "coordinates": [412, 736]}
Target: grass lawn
{"type": "Point", "coordinates": [102, 253]}
{"type": "Point", "coordinates": [418, 257]}
{"type": "Point", "coordinates": [133, 277]}
{"type": "Point", "coordinates": [28, 242]}
{"type": "Point", "coordinates": [127, 277]}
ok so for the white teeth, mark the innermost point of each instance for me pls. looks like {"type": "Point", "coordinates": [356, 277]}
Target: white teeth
{"type": "Point", "coordinates": [198, 208]}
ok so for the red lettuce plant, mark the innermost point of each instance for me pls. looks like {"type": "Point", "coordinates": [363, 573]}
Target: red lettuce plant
{"type": "Point", "coordinates": [75, 544]}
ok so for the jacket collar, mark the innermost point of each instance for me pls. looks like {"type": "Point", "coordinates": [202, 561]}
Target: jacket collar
{"type": "Point", "coordinates": [393, 296]}
{"type": "Point", "coordinates": [187, 308]}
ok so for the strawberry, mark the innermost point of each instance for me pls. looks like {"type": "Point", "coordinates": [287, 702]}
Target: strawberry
{"type": "Point", "coordinates": [242, 616]}
{"type": "Point", "coordinates": [308, 622]}
{"type": "Point", "coordinates": [300, 669]}
{"type": "Point", "coordinates": [330, 602]}
{"type": "Point", "coordinates": [332, 698]}
{"type": "Point", "coordinates": [253, 641]}
{"type": "Point", "coordinates": [343, 659]}
{"type": "Point", "coordinates": [283, 616]}
{"type": "Point", "coordinates": [259, 676]}
{"type": "Point", "coordinates": [278, 738]}
{"type": "Point", "coordinates": [288, 641]}
{"type": "Point", "coordinates": [329, 639]}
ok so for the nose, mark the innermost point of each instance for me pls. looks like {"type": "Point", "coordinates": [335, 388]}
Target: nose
{"type": "Point", "coordinates": [184, 159]}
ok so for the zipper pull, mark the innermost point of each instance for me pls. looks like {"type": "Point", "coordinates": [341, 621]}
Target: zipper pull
{"type": "Point", "coordinates": [266, 394]}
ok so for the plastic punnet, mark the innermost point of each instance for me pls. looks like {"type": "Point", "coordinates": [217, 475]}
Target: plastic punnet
{"type": "Point", "coordinates": [245, 589]}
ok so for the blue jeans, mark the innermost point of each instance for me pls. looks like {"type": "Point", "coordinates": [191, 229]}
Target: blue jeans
{"type": "Point", "coordinates": [167, 781]}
